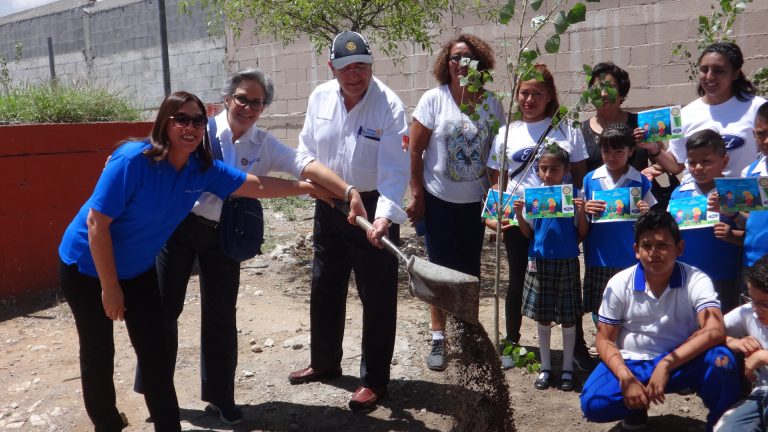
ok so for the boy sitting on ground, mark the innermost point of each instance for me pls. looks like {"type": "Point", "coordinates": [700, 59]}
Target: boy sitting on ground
{"type": "Point", "coordinates": [660, 331]}
{"type": "Point", "coordinates": [749, 323]}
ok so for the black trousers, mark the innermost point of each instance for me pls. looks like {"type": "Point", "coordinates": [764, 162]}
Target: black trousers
{"type": "Point", "coordinates": [143, 319]}
{"type": "Point", "coordinates": [339, 249]}
{"type": "Point", "coordinates": [219, 285]}
{"type": "Point", "coordinates": [516, 245]}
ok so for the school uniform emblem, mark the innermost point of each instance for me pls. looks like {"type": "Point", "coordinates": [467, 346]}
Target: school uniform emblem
{"type": "Point", "coordinates": [351, 46]}
{"type": "Point", "coordinates": [243, 161]}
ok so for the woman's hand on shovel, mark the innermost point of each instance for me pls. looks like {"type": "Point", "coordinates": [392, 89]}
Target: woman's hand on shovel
{"type": "Point", "coordinates": [356, 207]}
{"type": "Point", "coordinates": [379, 229]}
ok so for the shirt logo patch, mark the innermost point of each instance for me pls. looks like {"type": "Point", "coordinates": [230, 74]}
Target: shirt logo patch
{"type": "Point", "coordinates": [522, 155]}
{"type": "Point", "coordinates": [372, 134]}
{"type": "Point", "coordinates": [193, 191]}
{"type": "Point", "coordinates": [733, 142]}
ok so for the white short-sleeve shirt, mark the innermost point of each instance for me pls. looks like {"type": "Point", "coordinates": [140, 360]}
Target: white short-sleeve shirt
{"type": "Point", "coordinates": [455, 158]}
{"type": "Point", "coordinates": [522, 140]}
{"type": "Point", "coordinates": [733, 119]}
{"type": "Point", "coordinates": [651, 326]}
{"type": "Point", "coordinates": [742, 322]}
{"type": "Point", "coordinates": [257, 152]}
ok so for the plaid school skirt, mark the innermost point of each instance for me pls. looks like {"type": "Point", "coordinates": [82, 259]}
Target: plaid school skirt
{"type": "Point", "coordinates": [552, 293]}
{"type": "Point", "coordinates": [595, 281]}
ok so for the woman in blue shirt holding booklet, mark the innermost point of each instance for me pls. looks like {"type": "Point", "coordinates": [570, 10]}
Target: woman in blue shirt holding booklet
{"type": "Point", "coordinates": [107, 265]}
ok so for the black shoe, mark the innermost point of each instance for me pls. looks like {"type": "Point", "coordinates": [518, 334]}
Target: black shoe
{"type": "Point", "coordinates": [584, 361]}
{"type": "Point", "coordinates": [636, 420]}
{"type": "Point", "coordinates": [566, 381]}
{"type": "Point", "coordinates": [542, 382]}
{"type": "Point", "coordinates": [228, 415]}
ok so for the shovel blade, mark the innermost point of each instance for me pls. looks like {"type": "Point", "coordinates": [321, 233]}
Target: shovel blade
{"type": "Point", "coordinates": [452, 291]}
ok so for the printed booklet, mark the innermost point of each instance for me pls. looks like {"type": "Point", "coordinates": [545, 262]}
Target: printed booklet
{"type": "Point", "coordinates": [692, 212]}
{"type": "Point", "coordinates": [742, 194]}
{"type": "Point", "coordinates": [661, 124]}
{"type": "Point", "coordinates": [493, 205]}
{"type": "Point", "coordinates": [620, 204]}
{"type": "Point", "coordinates": [549, 202]}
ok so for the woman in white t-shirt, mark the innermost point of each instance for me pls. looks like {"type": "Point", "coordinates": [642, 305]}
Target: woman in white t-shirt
{"type": "Point", "coordinates": [727, 105]}
{"type": "Point", "coordinates": [448, 176]}
{"type": "Point", "coordinates": [538, 103]}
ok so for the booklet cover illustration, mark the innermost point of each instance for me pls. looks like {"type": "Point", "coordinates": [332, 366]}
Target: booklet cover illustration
{"type": "Point", "coordinates": [742, 194]}
{"type": "Point", "coordinates": [692, 212]}
{"type": "Point", "coordinates": [549, 201]}
{"type": "Point", "coordinates": [494, 204]}
{"type": "Point", "coordinates": [661, 124]}
{"type": "Point", "coordinates": [620, 204]}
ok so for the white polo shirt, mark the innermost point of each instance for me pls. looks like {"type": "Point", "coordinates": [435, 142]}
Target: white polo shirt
{"type": "Point", "coordinates": [362, 146]}
{"type": "Point", "coordinates": [651, 326]}
{"type": "Point", "coordinates": [759, 170]}
{"type": "Point", "coordinates": [256, 152]}
{"type": "Point", "coordinates": [742, 322]}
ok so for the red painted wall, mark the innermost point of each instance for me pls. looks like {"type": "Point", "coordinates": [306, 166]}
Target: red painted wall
{"type": "Point", "coordinates": [47, 171]}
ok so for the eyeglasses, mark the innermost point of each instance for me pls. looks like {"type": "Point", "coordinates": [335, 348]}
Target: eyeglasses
{"type": "Point", "coordinates": [355, 68]}
{"type": "Point", "coordinates": [182, 120]}
{"type": "Point", "coordinates": [255, 104]}
{"type": "Point", "coordinates": [758, 305]}
{"type": "Point", "coordinates": [456, 58]}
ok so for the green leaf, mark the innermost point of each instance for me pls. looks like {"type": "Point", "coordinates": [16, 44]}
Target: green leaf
{"type": "Point", "coordinates": [538, 75]}
{"type": "Point", "coordinates": [536, 4]}
{"type": "Point", "coordinates": [613, 94]}
{"type": "Point", "coordinates": [561, 22]}
{"type": "Point", "coordinates": [587, 69]}
{"type": "Point", "coordinates": [577, 14]}
{"type": "Point", "coordinates": [552, 45]}
{"type": "Point", "coordinates": [522, 351]}
{"type": "Point", "coordinates": [507, 12]}
{"type": "Point", "coordinates": [529, 55]}
{"type": "Point", "coordinates": [463, 81]}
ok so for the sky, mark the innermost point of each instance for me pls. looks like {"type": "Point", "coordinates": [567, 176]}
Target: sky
{"type": "Point", "coordinates": [8, 7]}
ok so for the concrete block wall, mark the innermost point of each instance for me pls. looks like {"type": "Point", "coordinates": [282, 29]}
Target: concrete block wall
{"type": "Point", "coordinates": [116, 43]}
{"type": "Point", "coordinates": [638, 35]}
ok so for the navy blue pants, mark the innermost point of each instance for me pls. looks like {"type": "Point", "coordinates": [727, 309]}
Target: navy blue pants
{"type": "Point", "coordinates": [749, 415]}
{"type": "Point", "coordinates": [341, 248]}
{"type": "Point", "coordinates": [454, 236]}
{"type": "Point", "coordinates": [219, 284]}
{"type": "Point", "coordinates": [143, 319]}
{"type": "Point", "coordinates": [717, 386]}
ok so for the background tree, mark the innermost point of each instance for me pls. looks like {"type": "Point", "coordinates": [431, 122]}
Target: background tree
{"type": "Point", "coordinates": [387, 23]}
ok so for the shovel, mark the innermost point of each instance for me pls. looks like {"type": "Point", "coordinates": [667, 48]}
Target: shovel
{"type": "Point", "coordinates": [455, 292]}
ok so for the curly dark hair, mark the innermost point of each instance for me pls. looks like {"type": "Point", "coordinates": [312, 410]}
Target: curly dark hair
{"type": "Point", "coordinates": [486, 60]}
{"type": "Point", "coordinates": [742, 88]}
{"type": "Point", "coordinates": [620, 75]}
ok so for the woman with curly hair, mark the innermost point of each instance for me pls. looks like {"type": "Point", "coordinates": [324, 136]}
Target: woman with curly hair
{"type": "Point", "coordinates": [448, 175]}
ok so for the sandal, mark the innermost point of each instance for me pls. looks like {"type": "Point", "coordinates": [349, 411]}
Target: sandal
{"type": "Point", "coordinates": [566, 381]}
{"type": "Point", "coordinates": [542, 382]}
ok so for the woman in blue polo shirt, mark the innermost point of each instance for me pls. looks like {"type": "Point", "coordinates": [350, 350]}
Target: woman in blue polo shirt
{"type": "Point", "coordinates": [107, 266]}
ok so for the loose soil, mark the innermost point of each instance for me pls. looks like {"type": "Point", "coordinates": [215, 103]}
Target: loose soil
{"type": "Point", "coordinates": [40, 385]}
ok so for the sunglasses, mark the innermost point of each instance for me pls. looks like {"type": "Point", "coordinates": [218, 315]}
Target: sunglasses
{"type": "Point", "coordinates": [182, 120]}
{"type": "Point", "coordinates": [255, 104]}
{"type": "Point", "coordinates": [457, 57]}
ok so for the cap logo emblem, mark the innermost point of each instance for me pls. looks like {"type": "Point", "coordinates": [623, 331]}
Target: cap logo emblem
{"type": "Point", "coordinates": [351, 46]}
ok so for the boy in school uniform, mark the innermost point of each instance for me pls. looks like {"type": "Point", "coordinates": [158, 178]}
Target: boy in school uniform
{"type": "Point", "coordinates": [660, 331]}
{"type": "Point", "coordinates": [714, 250]}
{"type": "Point", "coordinates": [747, 330]}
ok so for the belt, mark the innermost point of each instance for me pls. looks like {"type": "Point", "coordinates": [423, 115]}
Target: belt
{"type": "Point", "coordinates": [204, 221]}
{"type": "Point", "coordinates": [369, 194]}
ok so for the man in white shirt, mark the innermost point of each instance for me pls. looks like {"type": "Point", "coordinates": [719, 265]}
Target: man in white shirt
{"type": "Point", "coordinates": [354, 125]}
{"type": "Point", "coordinates": [660, 331]}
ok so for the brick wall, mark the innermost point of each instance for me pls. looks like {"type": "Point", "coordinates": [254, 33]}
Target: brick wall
{"type": "Point", "coordinates": [116, 43]}
{"type": "Point", "coordinates": [636, 34]}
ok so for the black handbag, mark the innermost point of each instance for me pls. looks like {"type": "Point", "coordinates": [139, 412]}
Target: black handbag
{"type": "Point", "coordinates": [241, 224]}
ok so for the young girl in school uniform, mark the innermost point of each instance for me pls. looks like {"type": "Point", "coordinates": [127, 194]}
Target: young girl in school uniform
{"type": "Point", "coordinates": [552, 290]}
